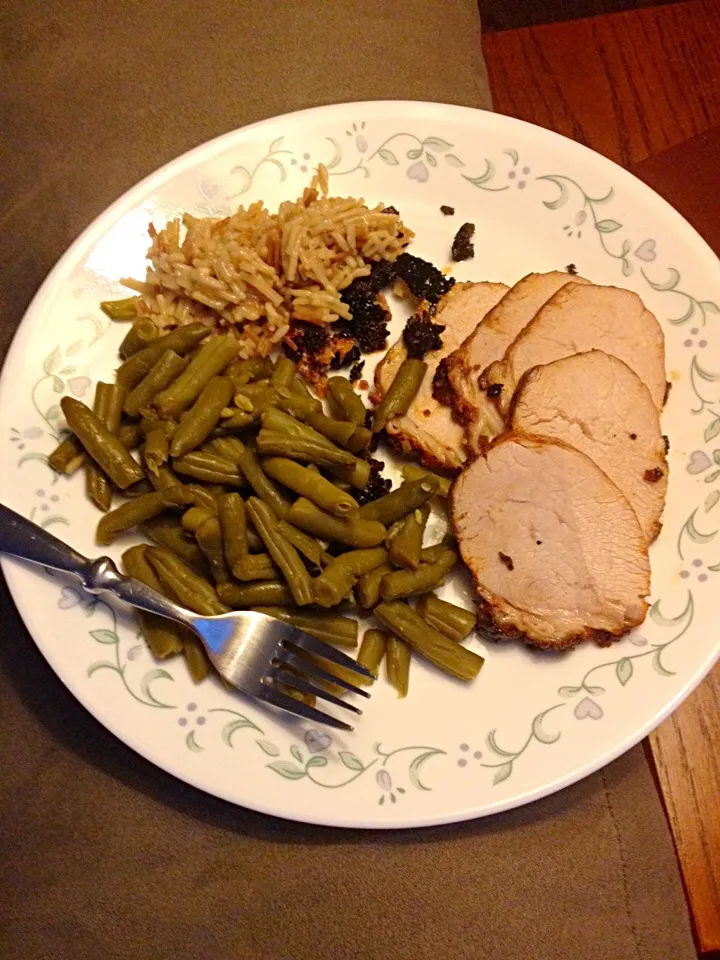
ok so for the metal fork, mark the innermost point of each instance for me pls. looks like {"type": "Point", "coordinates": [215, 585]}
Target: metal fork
{"type": "Point", "coordinates": [252, 651]}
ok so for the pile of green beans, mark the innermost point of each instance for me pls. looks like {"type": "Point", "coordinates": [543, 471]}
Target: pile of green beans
{"type": "Point", "coordinates": [249, 492]}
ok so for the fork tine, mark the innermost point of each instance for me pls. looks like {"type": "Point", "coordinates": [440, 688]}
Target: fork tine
{"type": "Point", "coordinates": [279, 699]}
{"type": "Point", "coordinates": [292, 659]}
{"type": "Point", "coordinates": [322, 649]}
{"type": "Point", "coordinates": [300, 683]}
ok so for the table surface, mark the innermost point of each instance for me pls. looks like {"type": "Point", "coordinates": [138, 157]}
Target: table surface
{"type": "Point", "coordinates": [643, 88]}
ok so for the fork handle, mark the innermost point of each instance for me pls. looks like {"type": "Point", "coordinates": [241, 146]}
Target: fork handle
{"type": "Point", "coordinates": [26, 540]}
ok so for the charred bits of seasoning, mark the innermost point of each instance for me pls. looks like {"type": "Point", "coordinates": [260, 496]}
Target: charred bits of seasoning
{"type": "Point", "coordinates": [441, 389]}
{"type": "Point", "coordinates": [462, 246]}
{"type": "Point", "coordinates": [421, 335]}
{"type": "Point", "coordinates": [447, 211]}
{"type": "Point", "coordinates": [423, 279]}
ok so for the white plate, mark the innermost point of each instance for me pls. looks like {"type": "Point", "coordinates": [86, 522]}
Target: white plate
{"type": "Point", "coordinates": [532, 723]}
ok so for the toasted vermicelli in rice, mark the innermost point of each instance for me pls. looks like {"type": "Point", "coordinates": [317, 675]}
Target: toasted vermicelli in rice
{"type": "Point", "coordinates": [256, 271]}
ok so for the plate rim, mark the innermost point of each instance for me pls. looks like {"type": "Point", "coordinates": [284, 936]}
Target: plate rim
{"type": "Point", "coordinates": [469, 116]}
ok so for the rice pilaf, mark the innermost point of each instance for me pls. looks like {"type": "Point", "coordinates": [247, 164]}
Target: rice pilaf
{"type": "Point", "coordinates": [257, 271]}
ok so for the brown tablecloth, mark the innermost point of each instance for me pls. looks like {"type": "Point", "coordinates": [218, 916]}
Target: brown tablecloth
{"type": "Point", "coordinates": [101, 854]}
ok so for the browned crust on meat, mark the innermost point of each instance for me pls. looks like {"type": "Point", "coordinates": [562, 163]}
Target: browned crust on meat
{"type": "Point", "coordinates": [409, 446]}
{"type": "Point", "coordinates": [497, 631]}
{"type": "Point", "coordinates": [464, 411]}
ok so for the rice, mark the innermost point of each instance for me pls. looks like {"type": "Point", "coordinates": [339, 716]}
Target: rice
{"type": "Point", "coordinates": [256, 271]}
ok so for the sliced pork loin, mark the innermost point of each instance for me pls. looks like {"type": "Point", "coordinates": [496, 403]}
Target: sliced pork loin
{"type": "Point", "coordinates": [595, 403]}
{"type": "Point", "coordinates": [488, 343]}
{"type": "Point", "coordinates": [576, 319]}
{"type": "Point", "coordinates": [554, 547]}
{"type": "Point", "coordinates": [429, 428]}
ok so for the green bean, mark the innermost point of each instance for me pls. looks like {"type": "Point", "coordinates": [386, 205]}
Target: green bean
{"type": "Point", "coordinates": [129, 435]}
{"type": "Point", "coordinates": [100, 444]}
{"type": "Point", "coordinates": [270, 593]}
{"type": "Point", "coordinates": [283, 553]}
{"type": "Point", "coordinates": [359, 440]}
{"type": "Point", "coordinates": [204, 497]}
{"type": "Point", "coordinates": [262, 484]}
{"type": "Point", "coordinates": [208, 467]}
{"type": "Point", "coordinates": [189, 589]}
{"type": "Point", "coordinates": [308, 483]}
{"type": "Point", "coordinates": [298, 405]}
{"type": "Point", "coordinates": [167, 532]}
{"type": "Point", "coordinates": [345, 403]}
{"type": "Point", "coordinates": [67, 457]}
{"type": "Point", "coordinates": [265, 401]}
{"type": "Point", "coordinates": [300, 388]}
{"type": "Point", "coordinates": [406, 536]}
{"type": "Point", "coordinates": [194, 518]}
{"type": "Point", "coordinates": [124, 309]}
{"type": "Point", "coordinates": [277, 421]}
{"type": "Point", "coordinates": [164, 479]}
{"type": "Point", "coordinates": [409, 583]}
{"type": "Point", "coordinates": [284, 373]}
{"type": "Point", "coordinates": [138, 489]}
{"type": "Point", "coordinates": [255, 544]}
{"type": "Point", "coordinates": [397, 664]}
{"type": "Point", "coordinates": [128, 515]}
{"type": "Point", "coordinates": [352, 531]}
{"type": "Point", "coordinates": [168, 366]}
{"type": "Point", "coordinates": [209, 539]}
{"type": "Point", "coordinates": [367, 589]}
{"type": "Point", "coordinates": [150, 420]}
{"type": "Point", "coordinates": [245, 371]}
{"type": "Point", "coordinates": [309, 699]}
{"type": "Point", "coordinates": [236, 423]}
{"type": "Point", "coordinates": [411, 471]}
{"type": "Point", "coordinates": [163, 636]}
{"type": "Point", "coordinates": [338, 431]}
{"type": "Point", "coordinates": [196, 657]}
{"type": "Point", "coordinates": [142, 333]}
{"type": "Point", "coordinates": [272, 443]}
{"type": "Point", "coordinates": [308, 546]}
{"type": "Point", "coordinates": [357, 474]}
{"type": "Point", "coordinates": [330, 627]}
{"type": "Point", "coordinates": [400, 393]}
{"type": "Point", "coordinates": [455, 622]}
{"type": "Point", "coordinates": [435, 646]}
{"type": "Point", "coordinates": [371, 653]}
{"type": "Point", "coordinates": [434, 553]}
{"type": "Point", "coordinates": [342, 573]}
{"type": "Point", "coordinates": [233, 522]}
{"type": "Point", "coordinates": [198, 423]}
{"type": "Point", "coordinates": [113, 404]}
{"type": "Point", "coordinates": [251, 391]}
{"type": "Point", "coordinates": [97, 485]}
{"type": "Point", "coordinates": [181, 341]}
{"type": "Point", "coordinates": [255, 566]}
{"type": "Point", "coordinates": [211, 359]}
{"type": "Point", "coordinates": [157, 450]}
{"type": "Point", "coordinates": [238, 538]}
{"type": "Point", "coordinates": [399, 502]}
{"type": "Point", "coordinates": [231, 448]}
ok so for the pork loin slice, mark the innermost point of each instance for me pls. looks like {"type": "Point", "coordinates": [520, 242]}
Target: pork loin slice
{"type": "Point", "coordinates": [595, 403]}
{"type": "Point", "coordinates": [555, 549]}
{"type": "Point", "coordinates": [579, 318]}
{"type": "Point", "coordinates": [429, 427]}
{"type": "Point", "coordinates": [488, 343]}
